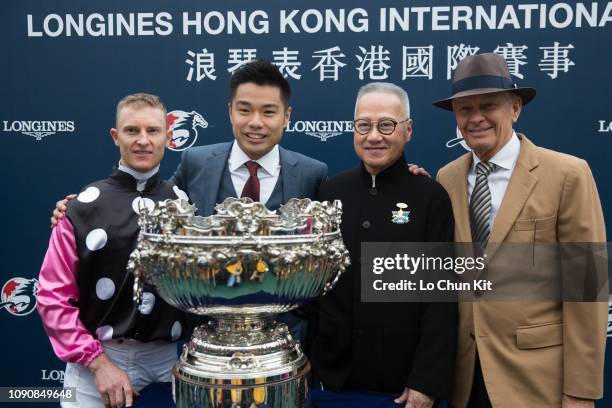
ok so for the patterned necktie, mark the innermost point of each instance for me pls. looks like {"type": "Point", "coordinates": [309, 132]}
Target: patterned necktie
{"type": "Point", "coordinates": [480, 203]}
{"type": "Point", "coordinates": [251, 188]}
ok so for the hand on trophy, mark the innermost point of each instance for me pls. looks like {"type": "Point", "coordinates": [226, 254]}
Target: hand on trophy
{"type": "Point", "coordinates": [60, 209]}
{"type": "Point", "coordinates": [112, 383]}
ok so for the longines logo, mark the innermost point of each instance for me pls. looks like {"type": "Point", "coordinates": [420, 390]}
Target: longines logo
{"type": "Point", "coordinates": [38, 128]}
{"type": "Point", "coordinates": [321, 129]}
{"type": "Point", "coordinates": [605, 126]}
{"type": "Point", "coordinates": [457, 140]}
{"type": "Point", "coordinates": [52, 375]}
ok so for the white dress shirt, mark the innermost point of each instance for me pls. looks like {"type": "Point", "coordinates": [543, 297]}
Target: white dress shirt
{"type": "Point", "coordinates": [268, 171]}
{"type": "Point", "coordinates": [498, 180]}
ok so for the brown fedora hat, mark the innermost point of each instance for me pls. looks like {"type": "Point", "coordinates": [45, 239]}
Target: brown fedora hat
{"type": "Point", "coordinates": [482, 74]}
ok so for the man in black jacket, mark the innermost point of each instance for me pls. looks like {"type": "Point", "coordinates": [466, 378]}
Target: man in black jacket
{"type": "Point", "coordinates": [384, 347]}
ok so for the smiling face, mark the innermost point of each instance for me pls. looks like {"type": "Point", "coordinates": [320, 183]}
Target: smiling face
{"type": "Point", "coordinates": [378, 151]}
{"type": "Point", "coordinates": [258, 118]}
{"type": "Point", "coordinates": [142, 136]}
{"type": "Point", "coordinates": [486, 121]}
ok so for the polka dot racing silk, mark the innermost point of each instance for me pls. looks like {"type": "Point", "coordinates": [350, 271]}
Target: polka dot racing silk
{"type": "Point", "coordinates": [105, 221]}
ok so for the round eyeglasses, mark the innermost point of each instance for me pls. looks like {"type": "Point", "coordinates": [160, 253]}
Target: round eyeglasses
{"type": "Point", "coordinates": [385, 126]}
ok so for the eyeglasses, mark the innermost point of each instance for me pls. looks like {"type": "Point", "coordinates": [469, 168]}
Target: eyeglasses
{"type": "Point", "coordinates": [385, 126]}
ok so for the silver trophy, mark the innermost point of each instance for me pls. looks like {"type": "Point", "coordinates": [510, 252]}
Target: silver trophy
{"type": "Point", "coordinates": [240, 268]}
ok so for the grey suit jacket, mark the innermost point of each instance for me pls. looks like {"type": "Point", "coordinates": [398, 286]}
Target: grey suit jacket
{"type": "Point", "coordinates": [201, 169]}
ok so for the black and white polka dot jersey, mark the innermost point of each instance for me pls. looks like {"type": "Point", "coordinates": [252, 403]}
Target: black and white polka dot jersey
{"type": "Point", "coordinates": [105, 221]}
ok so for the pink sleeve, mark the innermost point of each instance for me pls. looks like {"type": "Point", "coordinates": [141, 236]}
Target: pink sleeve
{"type": "Point", "coordinates": [57, 287]}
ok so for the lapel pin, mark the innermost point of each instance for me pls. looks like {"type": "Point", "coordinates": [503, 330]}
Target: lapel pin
{"type": "Point", "coordinates": [401, 216]}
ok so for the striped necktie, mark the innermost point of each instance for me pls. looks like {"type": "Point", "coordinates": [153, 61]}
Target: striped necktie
{"type": "Point", "coordinates": [480, 203]}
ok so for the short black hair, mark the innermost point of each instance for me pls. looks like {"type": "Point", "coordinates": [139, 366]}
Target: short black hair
{"type": "Point", "coordinates": [260, 72]}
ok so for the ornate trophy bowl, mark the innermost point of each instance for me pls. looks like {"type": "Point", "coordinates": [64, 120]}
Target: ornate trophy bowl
{"type": "Point", "coordinates": [240, 268]}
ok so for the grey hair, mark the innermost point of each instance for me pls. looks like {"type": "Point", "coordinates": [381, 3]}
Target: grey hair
{"type": "Point", "coordinates": [389, 88]}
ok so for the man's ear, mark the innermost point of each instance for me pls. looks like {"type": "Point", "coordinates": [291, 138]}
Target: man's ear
{"type": "Point", "coordinates": [287, 116]}
{"type": "Point", "coordinates": [115, 135]}
{"type": "Point", "coordinates": [517, 107]}
{"type": "Point", "coordinates": [408, 130]}
{"type": "Point", "coordinates": [168, 137]}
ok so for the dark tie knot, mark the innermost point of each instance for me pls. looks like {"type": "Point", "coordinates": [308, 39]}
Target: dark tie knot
{"type": "Point", "coordinates": [252, 166]}
{"type": "Point", "coordinates": [485, 168]}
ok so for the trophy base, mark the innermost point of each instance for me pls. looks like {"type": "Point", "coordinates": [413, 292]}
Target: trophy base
{"type": "Point", "coordinates": [293, 393]}
{"type": "Point", "coordinates": [242, 363]}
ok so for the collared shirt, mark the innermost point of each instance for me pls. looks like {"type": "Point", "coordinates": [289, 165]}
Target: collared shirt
{"type": "Point", "coordinates": [267, 173]}
{"type": "Point", "coordinates": [504, 160]}
{"type": "Point", "coordinates": [140, 177]}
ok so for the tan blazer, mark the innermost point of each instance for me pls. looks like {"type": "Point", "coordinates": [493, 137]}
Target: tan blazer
{"type": "Point", "coordinates": [532, 353]}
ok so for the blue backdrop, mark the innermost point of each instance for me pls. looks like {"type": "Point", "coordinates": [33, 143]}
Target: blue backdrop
{"type": "Point", "coordinates": [65, 64]}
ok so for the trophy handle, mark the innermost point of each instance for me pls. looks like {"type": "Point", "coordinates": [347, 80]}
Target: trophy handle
{"type": "Point", "coordinates": [137, 288]}
{"type": "Point", "coordinates": [330, 285]}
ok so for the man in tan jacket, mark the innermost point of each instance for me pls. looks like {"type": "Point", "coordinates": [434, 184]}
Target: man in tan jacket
{"type": "Point", "coordinates": [520, 354]}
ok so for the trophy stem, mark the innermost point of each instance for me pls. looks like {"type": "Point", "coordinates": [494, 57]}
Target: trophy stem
{"type": "Point", "coordinates": [240, 323]}
{"type": "Point", "coordinates": [242, 362]}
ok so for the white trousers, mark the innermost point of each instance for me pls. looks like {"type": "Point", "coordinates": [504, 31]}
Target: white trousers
{"type": "Point", "coordinates": [144, 363]}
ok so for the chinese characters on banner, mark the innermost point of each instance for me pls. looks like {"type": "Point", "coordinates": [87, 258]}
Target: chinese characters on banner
{"type": "Point", "coordinates": [373, 63]}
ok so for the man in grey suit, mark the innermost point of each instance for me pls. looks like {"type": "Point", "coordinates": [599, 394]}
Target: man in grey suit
{"type": "Point", "coordinates": [253, 165]}
{"type": "Point", "coordinates": [259, 111]}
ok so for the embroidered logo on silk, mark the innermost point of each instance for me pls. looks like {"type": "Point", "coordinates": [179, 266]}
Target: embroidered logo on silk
{"type": "Point", "coordinates": [401, 216]}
